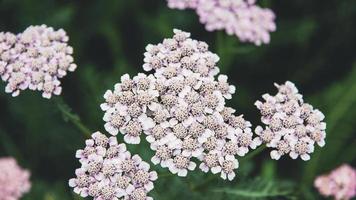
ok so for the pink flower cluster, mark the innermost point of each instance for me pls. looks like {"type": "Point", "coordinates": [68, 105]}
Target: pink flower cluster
{"type": "Point", "coordinates": [14, 181]}
{"type": "Point", "coordinates": [340, 183]}
{"type": "Point", "coordinates": [35, 59]}
{"type": "Point", "coordinates": [242, 18]}
{"type": "Point", "coordinates": [109, 172]}
{"type": "Point", "coordinates": [292, 126]}
{"type": "Point", "coordinates": [181, 109]}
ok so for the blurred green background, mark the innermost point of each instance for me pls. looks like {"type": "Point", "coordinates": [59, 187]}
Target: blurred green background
{"type": "Point", "coordinates": [314, 46]}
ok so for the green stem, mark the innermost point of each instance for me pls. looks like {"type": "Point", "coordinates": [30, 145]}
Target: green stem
{"type": "Point", "coordinates": [254, 153]}
{"type": "Point", "coordinates": [73, 118]}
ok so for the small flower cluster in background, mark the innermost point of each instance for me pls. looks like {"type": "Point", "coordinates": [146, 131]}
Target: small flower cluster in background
{"type": "Point", "coordinates": [35, 59]}
{"type": "Point", "coordinates": [14, 181]}
{"type": "Point", "coordinates": [292, 126]}
{"type": "Point", "coordinates": [108, 171]}
{"type": "Point", "coordinates": [181, 109]}
{"type": "Point", "coordinates": [340, 183]}
{"type": "Point", "coordinates": [242, 18]}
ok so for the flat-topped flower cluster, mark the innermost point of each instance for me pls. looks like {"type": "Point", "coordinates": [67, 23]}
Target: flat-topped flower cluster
{"type": "Point", "coordinates": [242, 18]}
{"type": "Point", "coordinates": [181, 109]}
{"type": "Point", "coordinates": [291, 126]}
{"type": "Point", "coordinates": [109, 172]}
{"type": "Point", "coordinates": [35, 59]}
{"type": "Point", "coordinates": [340, 183]}
{"type": "Point", "coordinates": [14, 181]}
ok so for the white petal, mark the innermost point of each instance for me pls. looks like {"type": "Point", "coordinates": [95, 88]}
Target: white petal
{"type": "Point", "coordinates": [293, 155]}
{"type": "Point", "coordinates": [275, 155]}
{"type": "Point", "coordinates": [182, 172]}
{"type": "Point", "coordinates": [216, 169]}
{"type": "Point", "coordinates": [231, 176]}
{"type": "Point", "coordinates": [305, 157]}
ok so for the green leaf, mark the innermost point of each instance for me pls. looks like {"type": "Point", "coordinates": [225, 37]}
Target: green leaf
{"type": "Point", "coordinates": [260, 189]}
{"type": "Point", "coordinates": [339, 101]}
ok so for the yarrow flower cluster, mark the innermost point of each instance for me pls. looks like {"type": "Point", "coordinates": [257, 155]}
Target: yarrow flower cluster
{"type": "Point", "coordinates": [109, 172]}
{"type": "Point", "coordinates": [35, 59]}
{"type": "Point", "coordinates": [292, 126]}
{"type": "Point", "coordinates": [242, 18]}
{"type": "Point", "coordinates": [181, 109]}
{"type": "Point", "coordinates": [340, 183]}
{"type": "Point", "coordinates": [14, 181]}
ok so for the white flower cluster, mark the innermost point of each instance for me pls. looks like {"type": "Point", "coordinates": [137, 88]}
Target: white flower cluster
{"type": "Point", "coordinates": [242, 18]}
{"type": "Point", "coordinates": [109, 172]}
{"type": "Point", "coordinates": [35, 59]}
{"type": "Point", "coordinates": [181, 109]}
{"type": "Point", "coordinates": [292, 126]}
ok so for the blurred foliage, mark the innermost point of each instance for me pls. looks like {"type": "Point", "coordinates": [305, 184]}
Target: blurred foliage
{"type": "Point", "coordinates": [314, 46]}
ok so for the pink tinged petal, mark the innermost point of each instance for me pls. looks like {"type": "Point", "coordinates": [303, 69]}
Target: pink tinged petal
{"type": "Point", "coordinates": [84, 193]}
{"type": "Point", "coordinates": [293, 155]}
{"type": "Point", "coordinates": [136, 159]}
{"type": "Point", "coordinates": [192, 166]}
{"type": "Point", "coordinates": [113, 141]}
{"type": "Point", "coordinates": [216, 169]}
{"type": "Point", "coordinates": [145, 166]}
{"type": "Point", "coordinates": [57, 91]}
{"type": "Point", "coordinates": [99, 176]}
{"type": "Point", "coordinates": [173, 169]}
{"type": "Point", "coordinates": [149, 186]}
{"type": "Point", "coordinates": [72, 182]}
{"type": "Point", "coordinates": [129, 189]}
{"type": "Point", "coordinates": [77, 190]}
{"type": "Point", "coordinates": [275, 155]}
{"type": "Point", "coordinates": [203, 167]}
{"type": "Point", "coordinates": [223, 175]}
{"type": "Point", "coordinates": [186, 153]}
{"type": "Point", "coordinates": [101, 151]}
{"type": "Point", "coordinates": [153, 176]}
{"type": "Point", "coordinates": [150, 139]}
{"type": "Point", "coordinates": [104, 106]}
{"type": "Point", "coordinates": [257, 141]}
{"type": "Point", "coordinates": [305, 157]}
{"type": "Point", "coordinates": [231, 176]}
{"type": "Point", "coordinates": [79, 153]}
{"type": "Point", "coordinates": [242, 151]}
{"type": "Point", "coordinates": [182, 172]}
{"type": "Point", "coordinates": [165, 163]}
{"type": "Point", "coordinates": [46, 95]}
{"type": "Point", "coordinates": [321, 143]}
{"type": "Point", "coordinates": [89, 142]}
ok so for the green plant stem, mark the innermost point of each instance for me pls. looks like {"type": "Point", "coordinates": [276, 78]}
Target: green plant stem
{"type": "Point", "coordinates": [73, 118]}
{"type": "Point", "coordinates": [254, 153]}
{"type": "Point", "coordinates": [212, 178]}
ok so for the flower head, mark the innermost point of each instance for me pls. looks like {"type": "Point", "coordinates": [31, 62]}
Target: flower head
{"type": "Point", "coordinates": [244, 19]}
{"type": "Point", "coordinates": [184, 118]}
{"type": "Point", "coordinates": [291, 126]}
{"type": "Point", "coordinates": [125, 107]}
{"type": "Point", "coordinates": [109, 172]}
{"type": "Point", "coordinates": [36, 59]}
{"type": "Point", "coordinates": [340, 183]}
{"type": "Point", "coordinates": [14, 181]}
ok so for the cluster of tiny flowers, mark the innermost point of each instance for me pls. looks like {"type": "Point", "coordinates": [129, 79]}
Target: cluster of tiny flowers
{"type": "Point", "coordinates": [14, 181]}
{"type": "Point", "coordinates": [181, 109]}
{"type": "Point", "coordinates": [109, 172]}
{"type": "Point", "coordinates": [35, 59]}
{"type": "Point", "coordinates": [292, 126]}
{"type": "Point", "coordinates": [340, 183]}
{"type": "Point", "coordinates": [242, 18]}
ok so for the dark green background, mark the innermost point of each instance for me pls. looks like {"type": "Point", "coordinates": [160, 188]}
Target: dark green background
{"type": "Point", "coordinates": [314, 46]}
